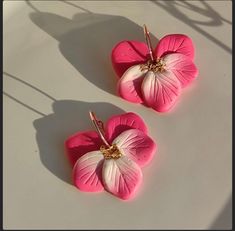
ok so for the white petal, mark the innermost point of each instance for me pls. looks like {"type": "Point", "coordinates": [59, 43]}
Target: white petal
{"type": "Point", "coordinates": [129, 85]}
{"type": "Point", "coordinates": [182, 67]}
{"type": "Point", "coordinates": [136, 145]}
{"type": "Point", "coordinates": [87, 172]}
{"type": "Point", "coordinates": [121, 177]}
{"type": "Point", "coordinates": [160, 90]}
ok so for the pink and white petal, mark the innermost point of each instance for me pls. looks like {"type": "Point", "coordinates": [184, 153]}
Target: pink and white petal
{"type": "Point", "coordinates": [160, 90]}
{"type": "Point", "coordinates": [182, 66]}
{"type": "Point", "coordinates": [136, 145]}
{"type": "Point", "coordinates": [128, 53]}
{"type": "Point", "coordinates": [120, 123]}
{"type": "Point", "coordinates": [121, 177]}
{"type": "Point", "coordinates": [175, 43]}
{"type": "Point", "coordinates": [87, 172]}
{"type": "Point", "coordinates": [81, 143]}
{"type": "Point", "coordinates": [129, 85]}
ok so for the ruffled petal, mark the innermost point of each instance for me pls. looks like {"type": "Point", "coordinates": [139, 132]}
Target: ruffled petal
{"type": "Point", "coordinates": [136, 145]}
{"type": "Point", "coordinates": [128, 53]}
{"type": "Point", "coordinates": [129, 85]}
{"type": "Point", "coordinates": [182, 66]}
{"type": "Point", "coordinates": [175, 43]}
{"type": "Point", "coordinates": [120, 123]}
{"type": "Point", "coordinates": [121, 177]}
{"type": "Point", "coordinates": [160, 90]}
{"type": "Point", "coordinates": [87, 172]}
{"type": "Point", "coordinates": [81, 143]}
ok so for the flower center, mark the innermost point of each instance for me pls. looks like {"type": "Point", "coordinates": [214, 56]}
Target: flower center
{"type": "Point", "coordinates": [111, 152]}
{"type": "Point", "coordinates": [156, 65]}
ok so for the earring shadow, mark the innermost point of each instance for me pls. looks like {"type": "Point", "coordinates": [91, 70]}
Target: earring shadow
{"type": "Point", "coordinates": [52, 130]}
{"type": "Point", "coordinates": [87, 39]}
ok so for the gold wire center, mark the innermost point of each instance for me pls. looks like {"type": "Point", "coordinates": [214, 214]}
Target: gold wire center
{"type": "Point", "coordinates": [156, 66]}
{"type": "Point", "coordinates": [111, 152]}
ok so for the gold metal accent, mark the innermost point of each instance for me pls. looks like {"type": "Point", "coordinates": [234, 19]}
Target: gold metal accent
{"type": "Point", "coordinates": [156, 66]}
{"type": "Point", "coordinates": [111, 152]}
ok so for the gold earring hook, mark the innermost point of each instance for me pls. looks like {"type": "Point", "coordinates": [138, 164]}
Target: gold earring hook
{"type": "Point", "coordinates": [148, 41]}
{"type": "Point", "coordinates": [99, 127]}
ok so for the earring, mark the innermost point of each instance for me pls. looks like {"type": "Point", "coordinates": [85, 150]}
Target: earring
{"type": "Point", "coordinates": [154, 78]}
{"type": "Point", "coordinates": [111, 157]}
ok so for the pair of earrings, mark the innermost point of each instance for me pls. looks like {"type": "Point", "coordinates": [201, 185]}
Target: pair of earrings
{"type": "Point", "coordinates": [111, 157]}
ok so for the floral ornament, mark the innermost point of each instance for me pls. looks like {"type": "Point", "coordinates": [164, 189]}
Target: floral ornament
{"type": "Point", "coordinates": [111, 157]}
{"type": "Point", "coordinates": [154, 77]}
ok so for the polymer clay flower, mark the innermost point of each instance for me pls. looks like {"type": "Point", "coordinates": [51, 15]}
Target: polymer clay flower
{"type": "Point", "coordinates": [154, 77]}
{"type": "Point", "coordinates": [112, 157]}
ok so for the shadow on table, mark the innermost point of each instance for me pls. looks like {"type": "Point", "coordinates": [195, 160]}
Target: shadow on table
{"type": "Point", "coordinates": [87, 39]}
{"type": "Point", "coordinates": [68, 117]}
{"type": "Point", "coordinates": [214, 18]}
{"type": "Point", "coordinates": [224, 219]}
{"type": "Point", "coordinates": [52, 130]}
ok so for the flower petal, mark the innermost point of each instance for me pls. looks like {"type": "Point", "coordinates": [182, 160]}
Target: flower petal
{"type": "Point", "coordinates": [160, 90]}
{"type": "Point", "coordinates": [128, 53]}
{"type": "Point", "coordinates": [175, 43]}
{"type": "Point", "coordinates": [120, 123]}
{"type": "Point", "coordinates": [136, 145]}
{"type": "Point", "coordinates": [87, 172]}
{"type": "Point", "coordinates": [129, 85]}
{"type": "Point", "coordinates": [182, 66]}
{"type": "Point", "coordinates": [81, 143]}
{"type": "Point", "coordinates": [121, 177]}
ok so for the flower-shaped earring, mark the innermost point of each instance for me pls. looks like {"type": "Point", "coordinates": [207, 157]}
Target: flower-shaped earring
{"type": "Point", "coordinates": [111, 157]}
{"type": "Point", "coordinates": [154, 77]}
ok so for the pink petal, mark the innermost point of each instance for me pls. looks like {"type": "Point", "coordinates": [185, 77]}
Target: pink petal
{"type": "Point", "coordinates": [136, 145]}
{"type": "Point", "coordinates": [129, 85]}
{"type": "Point", "coordinates": [182, 66]}
{"type": "Point", "coordinates": [87, 172]}
{"type": "Point", "coordinates": [173, 43]}
{"type": "Point", "coordinates": [81, 143]}
{"type": "Point", "coordinates": [128, 53]}
{"type": "Point", "coordinates": [121, 177]}
{"type": "Point", "coordinates": [160, 90]}
{"type": "Point", "coordinates": [120, 123]}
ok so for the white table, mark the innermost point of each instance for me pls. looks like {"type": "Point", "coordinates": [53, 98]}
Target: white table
{"type": "Point", "coordinates": [57, 67]}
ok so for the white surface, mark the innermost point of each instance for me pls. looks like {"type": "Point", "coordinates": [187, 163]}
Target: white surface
{"type": "Point", "coordinates": [57, 67]}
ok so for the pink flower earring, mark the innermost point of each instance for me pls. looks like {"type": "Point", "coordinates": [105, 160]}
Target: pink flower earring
{"type": "Point", "coordinates": [154, 77]}
{"type": "Point", "coordinates": [111, 157]}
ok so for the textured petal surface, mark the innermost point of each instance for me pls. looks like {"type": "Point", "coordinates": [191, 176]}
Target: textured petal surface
{"type": "Point", "coordinates": [120, 123]}
{"type": "Point", "coordinates": [136, 145]}
{"type": "Point", "coordinates": [160, 90]}
{"type": "Point", "coordinates": [182, 66]}
{"type": "Point", "coordinates": [129, 85]}
{"type": "Point", "coordinates": [87, 172]}
{"type": "Point", "coordinates": [173, 43]}
{"type": "Point", "coordinates": [128, 53]}
{"type": "Point", "coordinates": [121, 177]}
{"type": "Point", "coordinates": [81, 143]}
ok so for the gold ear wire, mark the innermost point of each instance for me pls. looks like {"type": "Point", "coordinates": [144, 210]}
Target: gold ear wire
{"type": "Point", "coordinates": [148, 41]}
{"type": "Point", "coordinates": [99, 127]}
